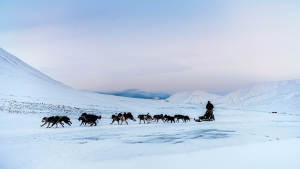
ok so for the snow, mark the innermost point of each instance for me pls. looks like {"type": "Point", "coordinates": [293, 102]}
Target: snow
{"type": "Point", "coordinates": [237, 139]}
{"type": "Point", "coordinates": [244, 135]}
{"type": "Point", "coordinates": [193, 97]}
{"type": "Point", "coordinates": [281, 96]}
{"type": "Point", "coordinates": [18, 78]}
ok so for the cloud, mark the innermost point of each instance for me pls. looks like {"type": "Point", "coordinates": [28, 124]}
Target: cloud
{"type": "Point", "coordinates": [117, 46]}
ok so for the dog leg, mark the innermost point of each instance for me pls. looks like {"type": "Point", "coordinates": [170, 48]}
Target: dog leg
{"type": "Point", "coordinates": [52, 125]}
{"type": "Point", "coordinates": [43, 124]}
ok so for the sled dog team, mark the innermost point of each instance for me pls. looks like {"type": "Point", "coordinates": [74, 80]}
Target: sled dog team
{"type": "Point", "coordinates": [121, 118]}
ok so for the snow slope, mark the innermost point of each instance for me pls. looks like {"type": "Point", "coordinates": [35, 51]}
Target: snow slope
{"type": "Point", "coordinates": [271, 96]}
{"type": "Point", "coordinates": [21, 82]}
{"type": "Point", "coordinates": [18, 78]}
{"type": "Point", "coordinates": [193, 97]}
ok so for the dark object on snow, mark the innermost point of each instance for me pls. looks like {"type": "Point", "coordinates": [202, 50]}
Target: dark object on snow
{"type": "Point", "coordinates": [89, 119]}
{"type": "Point", "coordinates": [209, 106]}
{"type": "Point", "coordinates": [122, 117]}
{"type": "Point", "coordinates": [186, 118]}
{"type": "Point", "coordinates": [201, 118]}
{"type": "Point", "coordinates": [274, 112]}
{"type": "Point", "coordinates": [158, 117]}
{"type": "Point", "coordinates": [181, 117]}
{"type": "Point", "coordinates": [55, 120]}
{"type": "Point", "coordinates": [145, 118]}
{"type": "Point", "coordinates": [129, 116]}
{"type": "Point", "coordinates": [169, 119]}
{"type": "Point", "coordinates": [209, 114]}
{"type": "Point", "coordinates": [64, 119]}
{"type": "Point", "coordinates": [125, 116]}
{"type": "Point", "coordinates": [116, 117]}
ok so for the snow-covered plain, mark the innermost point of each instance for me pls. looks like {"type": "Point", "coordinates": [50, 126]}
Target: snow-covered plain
{"type": "Point", "coordinates": [243, 135]}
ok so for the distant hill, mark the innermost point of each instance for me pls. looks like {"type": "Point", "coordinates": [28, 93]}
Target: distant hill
{"type": "Point", "coordinates": [136, 93]}
{"type": "Point", "coordinates": [280, 95]}
{"type": "Point", "coordinates": [193, 97]}
{"type": "Point", "coordinates": [21, 80]}
{"type": "Point", "coordinates": [267, 96]}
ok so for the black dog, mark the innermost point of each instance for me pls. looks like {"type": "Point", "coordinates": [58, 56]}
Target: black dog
{"type": "Point", "coordinates": [179, 117]}
{"type": "Point", "coordinates": [169, 119]}
{"type": "Point", "coordinates": [55, 120]}
{"type": "Point", "coordinates": [123, 117]}
{"type": "Point", "coordinates": [89, 119]}
{"type": "Point", "coordinates": [145, 118]}
{"type": "Point", "coordinates": [116, 117]}
{"type": "Point", "coordinates": [186, 118]}
{"type": "Point", "coordinates": [158, 117]}
{"type": "Point", "coordinates": [64, 119]}
{"type": "Point", "coordinates": [127, 116]}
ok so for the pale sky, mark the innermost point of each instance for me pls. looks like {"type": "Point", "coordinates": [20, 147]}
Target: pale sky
{"type": "Point", "coordinates": [156, 45]}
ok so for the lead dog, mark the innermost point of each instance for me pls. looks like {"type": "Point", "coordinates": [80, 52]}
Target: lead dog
{"type": "Point", "coordinates": [55, 120]}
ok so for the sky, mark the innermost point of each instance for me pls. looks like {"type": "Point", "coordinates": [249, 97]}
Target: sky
{"type": "Point", "coordinates": [155, 45]}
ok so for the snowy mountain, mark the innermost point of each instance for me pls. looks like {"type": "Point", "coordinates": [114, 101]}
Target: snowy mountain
{"type": "Point", "coordinates": [18, 78]}
{"type": "Point", "coordinates": [193, 97]}
{"type": "Point", "coordinates": [269, 96]}
{"type": "Point", "coordinates": [21, 82]}
{"type": "Point", "coordinates": [282, 95]}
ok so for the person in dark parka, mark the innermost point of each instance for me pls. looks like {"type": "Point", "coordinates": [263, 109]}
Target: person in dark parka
{"type": "Point", "coordinates": [209, 106]}
{"type": "Point", "coordinates": [209, 115]}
